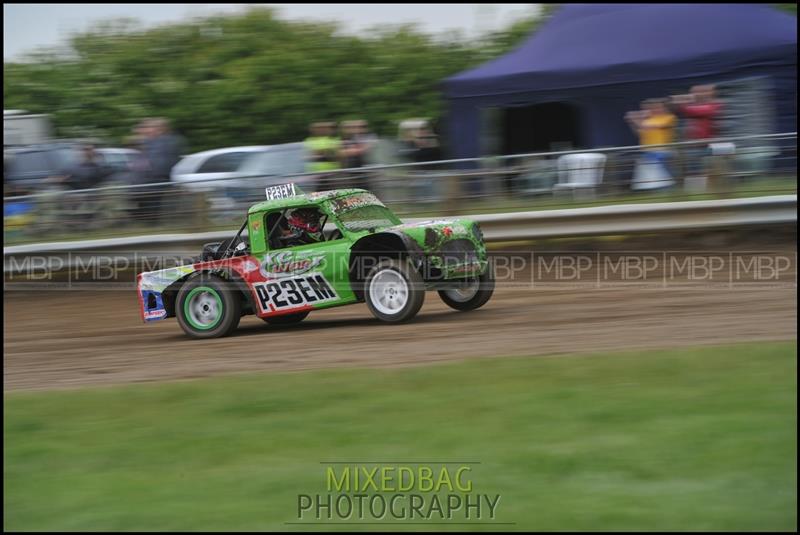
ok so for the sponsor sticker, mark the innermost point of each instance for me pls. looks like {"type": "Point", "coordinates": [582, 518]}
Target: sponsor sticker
{"type": "Point", "coordinates": [296, 292]}
{"type": "Point", "coordinates": [155, 314]}
{"type": "Point", "coordinates": [286, 264]}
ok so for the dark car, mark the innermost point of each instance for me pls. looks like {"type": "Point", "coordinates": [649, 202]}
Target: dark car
{"type": "Point", "coordinates": [32, 168]}
{"type": "Point", "coordinates": [29, 168]}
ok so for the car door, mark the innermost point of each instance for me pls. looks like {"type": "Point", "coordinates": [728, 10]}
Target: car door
{"type": "Point", "coordinates": [303, 277]}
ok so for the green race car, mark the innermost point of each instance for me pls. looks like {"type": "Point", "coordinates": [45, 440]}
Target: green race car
{"type": "Point", "coordinates": [299, 252]}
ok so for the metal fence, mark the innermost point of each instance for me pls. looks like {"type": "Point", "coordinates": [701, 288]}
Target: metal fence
{"type": "Point", "coordinates": [728, 167]}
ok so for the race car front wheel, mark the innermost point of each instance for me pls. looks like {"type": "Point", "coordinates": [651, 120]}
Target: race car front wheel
{"type": "Point", "coordinates": [394, 291]}
{"type": "Point", "coordinates": [206, 307]}
{"type": "Point", "coordinates": [472, 294]}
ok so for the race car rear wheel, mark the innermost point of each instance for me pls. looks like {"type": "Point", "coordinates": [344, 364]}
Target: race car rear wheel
{"type": "Point", "coordinates": [206, 307]}
{"type": "Point", "coordinates": [394, 291]}
{"type": "Point", "coordinates": [473, 294]}
{"type": "Point", "coordinates": [287, 319]}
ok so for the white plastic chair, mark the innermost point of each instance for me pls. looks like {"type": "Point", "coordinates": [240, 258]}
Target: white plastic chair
{"type": "Point", "coordinates": [580, 172]}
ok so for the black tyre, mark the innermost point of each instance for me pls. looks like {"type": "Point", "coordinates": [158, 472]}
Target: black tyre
{"type": "Point", "coordinates": [287, 319]}
{"type": "Point", "coordinates": [208, 307]}
{"type": "Point", "coordinates": [474, 295]}
{"type": "Point", "coordinates": [394, 291]}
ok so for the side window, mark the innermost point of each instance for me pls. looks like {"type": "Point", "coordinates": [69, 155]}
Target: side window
{"type": "Point", "coordinates": [275, 225]}
{"type": "Point", "coordinates": [284, 230]}
{"type": "Point", "coordinates": [223, 163]}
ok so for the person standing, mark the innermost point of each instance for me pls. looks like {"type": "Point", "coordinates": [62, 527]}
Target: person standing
{"type": "Point", "coordinates": [655, 126]}
{"type": "Point", "coordinates": [162, 149]}
{"type": "Point", "coordinates": [88, 172]}
{"type": "Point", "coordinates": [356, 143]}
{"type": "Point", "coordinates": [323, 150]}
{"type": "Point", "coordinates": [702, 111]}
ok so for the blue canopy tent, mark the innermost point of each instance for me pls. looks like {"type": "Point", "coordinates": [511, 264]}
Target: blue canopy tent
{"type": "Point", "coordinates": [589, 64]}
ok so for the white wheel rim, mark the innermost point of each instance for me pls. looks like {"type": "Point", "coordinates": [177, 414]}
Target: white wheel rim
{"type": "Point", "coordinates": [465, 293]}
{"type": "Point", "coordinates": [388, 292]}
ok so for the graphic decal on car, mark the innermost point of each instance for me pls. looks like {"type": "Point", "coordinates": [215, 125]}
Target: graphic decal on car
{"type": "Point", "coordinates": [158, 280]}
{"type": "Point", "coordinates": [286, 264]}
{"type": "Point", "coordinates": [345, 204]}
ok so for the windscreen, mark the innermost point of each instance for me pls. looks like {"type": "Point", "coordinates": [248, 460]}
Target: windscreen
{"type": "Point", "coordinates": [362, 211]}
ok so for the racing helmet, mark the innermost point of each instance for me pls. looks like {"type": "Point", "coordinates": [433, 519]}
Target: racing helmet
{"type": "Point", "coordinates": [305, 220]}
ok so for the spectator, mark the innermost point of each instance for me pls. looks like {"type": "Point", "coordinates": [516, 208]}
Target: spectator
{"type": "Point", "coordinates": [323, 148]}
{"type": "Point", "coordinates": [655, 126]}
{"type": "Point", "coordinates": [701, 110]}
{"type": "Point", "coordinates": [88, 172]}
{"type": "Point", "coordinates": [162, 150]}
{"type": "Point", "coordinates": [418, 143]}
{"type": "Point", "coordinates": [356, 144]}
{"type": "Point", "coordinates": [138, 170]}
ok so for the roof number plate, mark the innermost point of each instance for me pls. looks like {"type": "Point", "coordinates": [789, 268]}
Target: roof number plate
{"type": "Point", "coordinates": [281, 191]}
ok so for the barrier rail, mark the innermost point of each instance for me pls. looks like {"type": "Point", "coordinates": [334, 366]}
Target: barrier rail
{"type": "Point", "coordinates": [603, 220]}
{"type": "Point", "coordinates": [720, 168]}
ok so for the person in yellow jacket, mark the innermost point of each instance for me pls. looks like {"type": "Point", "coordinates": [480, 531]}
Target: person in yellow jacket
{"type": "Point", "coordinates": [655, 126]}
{"type": "Point", "coordinates": [323, 148]}
{"type": "Point", "coordinates": [323, 145]}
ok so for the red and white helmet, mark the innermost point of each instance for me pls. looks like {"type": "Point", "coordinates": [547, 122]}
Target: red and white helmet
{"type": "Point", "coordinates": [306, 220]}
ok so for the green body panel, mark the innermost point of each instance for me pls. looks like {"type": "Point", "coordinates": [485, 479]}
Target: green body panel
{"type": "Point", "coordinates": [429, 237]}
{"type": "Point", "coordinates": [317, 275]}
{"type": "Point", "coordinates": [432, 235]}
{"type": "Point", "coordinates": [329, 259]}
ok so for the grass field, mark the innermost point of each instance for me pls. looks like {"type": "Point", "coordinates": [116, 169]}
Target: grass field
{"type": "Point", "coordinates": [670, 440]}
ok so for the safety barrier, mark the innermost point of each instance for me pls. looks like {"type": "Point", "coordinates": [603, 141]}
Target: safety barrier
{"type": "Point", "coordinates": [506, 227]}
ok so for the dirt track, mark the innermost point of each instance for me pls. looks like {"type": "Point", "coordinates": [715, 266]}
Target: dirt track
{"type": "Point", "coordinates": [63, 339]}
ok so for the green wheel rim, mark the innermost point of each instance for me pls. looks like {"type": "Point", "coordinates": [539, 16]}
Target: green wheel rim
{"type": "Point", "coordinates": [202, 308]}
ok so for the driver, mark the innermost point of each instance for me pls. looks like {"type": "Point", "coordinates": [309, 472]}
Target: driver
{"type": "Point", "coordinates": [304, 227]}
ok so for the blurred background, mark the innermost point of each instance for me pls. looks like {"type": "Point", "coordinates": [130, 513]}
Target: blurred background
{"type": "Point", "coordinates": [670, 402]}
{"type": "Point", "coordinates": [120, 119]}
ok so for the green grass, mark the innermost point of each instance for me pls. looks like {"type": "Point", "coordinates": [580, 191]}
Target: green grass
{"type": "Point", "coordinates": [699, 438]}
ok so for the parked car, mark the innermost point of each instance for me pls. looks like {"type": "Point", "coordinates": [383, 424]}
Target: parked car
{"type": "Point", "coordinates": [119, 159]}
{"type": "Point", "coordinates": [28, 168]}
{"type": "Point", "coordinates": [212, 169]}
{"type": "Point", "coordinates": [256, 167]}
{"type": "Point", "coordinates": [276, 161]}
{"type": "Point", "coordinates": [220, 168]}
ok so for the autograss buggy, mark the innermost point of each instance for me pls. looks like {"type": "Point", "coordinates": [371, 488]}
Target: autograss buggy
{"type": "Point", "coordinates": [362, 252]}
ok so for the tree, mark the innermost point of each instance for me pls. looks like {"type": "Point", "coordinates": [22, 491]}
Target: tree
{"type": "Point", "coordinates": [249, 78]}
